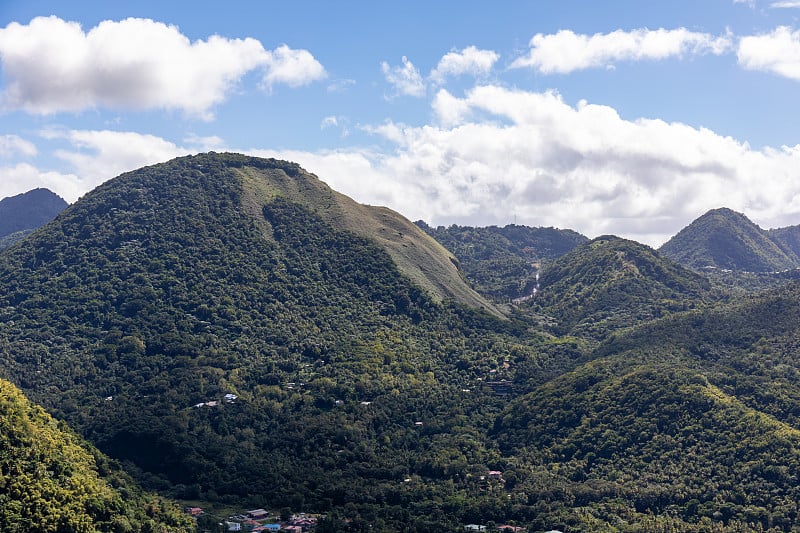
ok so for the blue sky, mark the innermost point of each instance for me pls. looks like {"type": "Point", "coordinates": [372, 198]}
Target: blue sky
{"type": "Point", "coordinates": [629, 117]}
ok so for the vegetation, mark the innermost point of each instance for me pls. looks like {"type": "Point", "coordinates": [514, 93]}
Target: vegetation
{"type": "Point", "coordinates": [235, 333]}
{"type": "Point", "coordinates": [503, 262]}
{"type": "Point", "coordinates": [611, 283]}
{"type": "Point", "coordinates": [51, 481]}
{"type": "Point", "coordinates": [728, 240]}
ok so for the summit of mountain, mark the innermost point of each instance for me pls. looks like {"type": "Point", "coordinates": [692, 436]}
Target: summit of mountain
{"type": "Point", "coordinates": [725, 239]}
{"type": "Point", "coordinates": [23, 213]}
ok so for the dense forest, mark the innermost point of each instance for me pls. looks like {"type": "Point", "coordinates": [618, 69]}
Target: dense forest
{"type": "Point", "coordinates": [234, 333]}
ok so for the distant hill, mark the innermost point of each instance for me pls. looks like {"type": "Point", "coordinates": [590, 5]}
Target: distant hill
{"type": "Point", "coordinates": [51, 480]}
{"type": "Point", "coordinates": [21, 214]}
{"type": "Point", "coordinates": [502, 262]}
{"type": "Point", "coordinates": [725, 239]}
{"type": "Point", "coordinates": [788, 238]}
{"type": "Point", "coordinates": [610, 282]}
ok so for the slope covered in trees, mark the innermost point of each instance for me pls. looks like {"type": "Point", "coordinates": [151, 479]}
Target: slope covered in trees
{"type": "Point", "coordinates": [609, 283]}
{"type": "Point", "coordinates": [725, 239]}
{"type": "Point", "coordinates": [52, 481]}
{"type": "Point", "coordinates": [178, 284]}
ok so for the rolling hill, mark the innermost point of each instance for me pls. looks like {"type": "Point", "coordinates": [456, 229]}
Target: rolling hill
{"type": "Point", "coordinates": [610, 282]}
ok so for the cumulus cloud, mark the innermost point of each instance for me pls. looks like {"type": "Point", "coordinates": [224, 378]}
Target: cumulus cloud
{"type": "Point", "coordinates": [11, 145]}
{"type": "Point", "coordinates": [503, 155]}
{"type": "Point", "coordinates": [777, 52]}
{"type": "Point", "coordinates": [786, 4]}
{"type": "Point", "coordinates": [292, 67]}
{"type": "Point", "coordinates": [567, 51]}
{"type": "Point", "coordinates": [405, 78]}
{"type": "Point", "coordinates": [470, 60]}
{"type": "Point", "coordinates": [23, 177]}
{"type": "Point", "coordinates": [51, 65]}
{"type": "Point", "coordinates": [98, 155]}
{"type": "Point", "coordinates": [496, 155]}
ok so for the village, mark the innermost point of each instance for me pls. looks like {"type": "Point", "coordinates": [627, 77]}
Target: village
{"type": "Point", "coordinates": [258, 520]}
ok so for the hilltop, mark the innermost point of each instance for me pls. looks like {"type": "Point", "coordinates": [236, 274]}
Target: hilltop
{"type": "Point", "coordinates": [725, 239]}
{"type": "Point", "coordinates": [610, 282]}
{"type": "Point", "coordinates": [23, 213]}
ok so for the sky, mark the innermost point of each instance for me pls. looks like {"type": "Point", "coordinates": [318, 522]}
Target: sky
{"type": "Point", "coordinates": [630, 118]}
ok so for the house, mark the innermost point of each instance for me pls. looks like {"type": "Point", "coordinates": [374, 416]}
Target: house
{"type": "Point", "coordinates": [474, 527]}
{"type": "Point", "coordinates": [230, 397]}
{"type": "Point", "coordinates": [494, 474]}
{"type": "Point", "coordinates": [293, 529]}
{"type": "Point", "coordinates": [505, 528]}
{"type": "Point", "coordinates": [193, 511]}
{"type": "Point", "coordinates": [257, 514]}
{"type": "Point", "coordinates": [233, 526]}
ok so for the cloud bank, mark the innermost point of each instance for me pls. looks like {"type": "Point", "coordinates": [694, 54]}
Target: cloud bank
{"type": "Point", "coordinates": [537, 160]}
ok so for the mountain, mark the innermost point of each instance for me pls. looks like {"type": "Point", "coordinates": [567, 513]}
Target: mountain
{"type": "Point", "coordinates": [502, 262]}
{"type": "Point", "coordinates": [224, 326]}
{"type": "Point", "coordinates": [610, 282]}
{"type": "Point", "coordinates": [725, 239]}
{"type": "Point", "coordinates": [788, 238]}
{"type": "Point", "coordinates": [51, 480]}
{"type": "Point", "coordinates": [21, 214]}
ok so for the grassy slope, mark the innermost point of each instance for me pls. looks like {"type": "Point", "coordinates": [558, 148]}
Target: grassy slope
{"type": "Point", "coordinates": [417, 255]}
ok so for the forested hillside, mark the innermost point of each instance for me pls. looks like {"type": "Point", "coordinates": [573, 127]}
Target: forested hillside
{"type": "Point", "coordinates": [725, 239]}
{"type": "Point", "coordinates": [236, 333]}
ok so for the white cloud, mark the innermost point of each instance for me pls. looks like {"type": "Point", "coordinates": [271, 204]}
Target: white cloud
{"type": "Point", "coordinates": [786, 4]}
{"type": "Point", "coordinates": [566, 51]}
{"type": "Point", "coordinates": [11, 145]}
{"type": "Point", "coordinates": [98, 155]}
{"type": "Point", "coordinates": [23, 177]}
{"type": "Point", "coordinates": [292, 67]}
{"type": "Point", "coordinates": [405, 78]}
{"type": "Point", "coordinates": [470, 60]}
{"type": "Point", "coordinates": [533, 158]}
{"type": "Point", "coordinates": [777, 52]}
{"type": "Point", "coordinates": [498, 155]}
{"type": "Point", "coordinates": [51, 65]}
{"type": "Point", "coordinates": [341, 85]}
